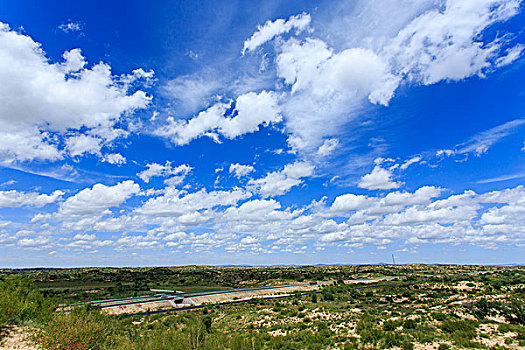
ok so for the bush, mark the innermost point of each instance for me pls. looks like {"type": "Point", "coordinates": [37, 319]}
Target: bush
{"type": "Point", "coordinates": [407, 345]}
{"type": "Point", "coordinates": [21, 302]}
{"type": "Point", "coordinates": [314, 298]}
{"type": "Point", "coordinates": [392, 339]}
{"type": "Point", "coordinates": [392, 325]}
{"type": "Point", "coordinates": [515, 312]}
{"type": "Point", "coordinates": [81, 329]}
{"type": "Point", "coordinates": [410, 324]}
{"type": "Point", "coordinates": [439, 316]}
{"type": "Point", "coordinates": [207, 320]}
{"type": "Point", "coordinates": [328, 294]}
{"type": "Point", "coordinates": [465, 328]}
{"type": "Point", "coordinates": [481, 309]}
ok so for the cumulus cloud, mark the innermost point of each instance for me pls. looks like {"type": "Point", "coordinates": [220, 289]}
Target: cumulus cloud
{"type": "Point", "coordinates": [421, 52]}
{"type": "Point", "coordinates": [239, 170]}
{"type": "Point", "coordinates": [251, 111]}
{"type": "Point", "coordinates": [411, 218]}
{"type": "Point", "coordinates": [271, 29]}
{"type": "Point", "coordinates": [78, 145]}
{"type": "Point", "coordinates": [14, 199]}
{"type": "Point", "coordinates": [176, 203]}
{"type": "Point", "coordinates": [379, 179]}
{"type": "Point", "coordinates": [176, 174]}
{"type": "Point", "coordinates": [39, 242]}
{"type": "Point", "coordinates": [38, 99]}
{"type": "Point", "coordinates": [329, 87]}
{"type": "Point", "coordinates": [114, 158]}
{"type": "Point", "coordinates": [280, 182]}
{"type": "Point", "coordinates": [99, 198]}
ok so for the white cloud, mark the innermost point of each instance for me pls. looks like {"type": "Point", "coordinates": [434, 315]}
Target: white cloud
{"type": "Point", "coordinates": [502, 178]}
{"type": "Point", "coordinates": [191, 93]}
{"type": "Point", "coordinates": [445, 44]}
{"type": "Point", "coordinates": [255, 210]}
{"type": "Point", "coordinates": [327, 147]}
{"type": "Point", "coordinates": [240, 170]}
{"type": "Point", "coordinates": [100, 197]}
{"type": "Point", "coordinates": [326, 87]}
{"type": "Point", "coordinates": [512, 55]}
{"type": "Point", "coordinates": [85, 237]}
{"type": "Point", "coordinates": [71, 27]}
{"type": "Point", "coordinates": [271, 29]}
{"type": "Point", "coordinates": [175, 236]}
{"type": "Point", "coordinates": [329, 87]}
{"type": "Point", "coordinates": [176, 174]}
{"type": "Point", "coordinates": [78, 145]}
{"type": "Point", "coordinates": [410, 161]}
{"type": "Point", "coordinates": [251, 111]}
{"type": "Point", "coordinates": [445, 152]}
{"type": "Point", "coordinates": [411, 218]}
{"type": "Point", "coordinates": [175, 202]}
{"type": "Point", "coordinates": [14, 199]}
{"type": "Point", "coordinates": [37, 242]}
{"type": "Point", "coordinates": [348, 202]}
{"type": "Point", "coordinates": [379, 179]}
{"type": "Point", "coordinates": [279, 182]}
{"type": "Point", "coordinates": [38, 98]}
{"type": "Point", "coordinates": [480, 143]}
{"type": "Point", "coordinates": [114, 158]}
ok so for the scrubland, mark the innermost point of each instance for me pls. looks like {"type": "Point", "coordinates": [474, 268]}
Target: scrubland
{"type": "Point", "coordinates": [431, 307]}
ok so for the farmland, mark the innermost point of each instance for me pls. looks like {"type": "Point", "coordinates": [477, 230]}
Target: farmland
{"type": "Point", "coordinates": [428, 307]}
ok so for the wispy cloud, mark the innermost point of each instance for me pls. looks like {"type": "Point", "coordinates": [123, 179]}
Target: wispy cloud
{"type": "Point", "coordinates": [71, 27]}
{"type": "Point", "coordinates": [502, 178]}
{"type": "Point", "coordinates": [481, 142]}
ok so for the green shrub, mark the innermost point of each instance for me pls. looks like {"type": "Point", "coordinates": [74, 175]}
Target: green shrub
{"type": "Point", "coordinates": [328, 295]}
{"type": "Point", "coordinates": [392, 339]}
{"type": "Point", "coordinates": [465, 327]}
{"type": "Point", "coordinates": [390, 325]}
{"type": "Point", "coordinates": [410, 324]}
{"type": "Point", "coordinates": [439, 316]}
{"type": "Point", "coordinates": [314, 298]}
{"type": "Point", "coordinates": [79, 330]}
{"type": "Point", "coordinates": [407, 345]}
{"type": "Point", "coordinates": [21, 302]}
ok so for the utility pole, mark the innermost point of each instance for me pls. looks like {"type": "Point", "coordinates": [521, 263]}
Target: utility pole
{"type": "Point", "coordinates": [394, 263]}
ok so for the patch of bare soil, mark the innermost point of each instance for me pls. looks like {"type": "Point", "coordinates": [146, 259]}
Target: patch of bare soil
{"type": "Point", "coordinates": [136, 308]}
{"type": "Point", "coordinates": [16, 338]}
{"type": "Point", "coordinates": [217, 298]}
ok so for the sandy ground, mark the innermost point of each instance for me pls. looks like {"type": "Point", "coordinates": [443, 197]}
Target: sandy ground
{"type": "Point", "coordinates": [17, 338]}
{"type": "Point", "coordinates": [217, 298]}
{"type": "Point", "coordinates": [136, 308]}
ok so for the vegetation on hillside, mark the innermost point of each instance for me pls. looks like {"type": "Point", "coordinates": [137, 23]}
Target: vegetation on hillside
{"type": "Point", "coordinates": [445, 310]}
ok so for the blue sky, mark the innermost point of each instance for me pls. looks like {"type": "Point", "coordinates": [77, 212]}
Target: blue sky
{"type": "Point", "coordinates": [295, 132]}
